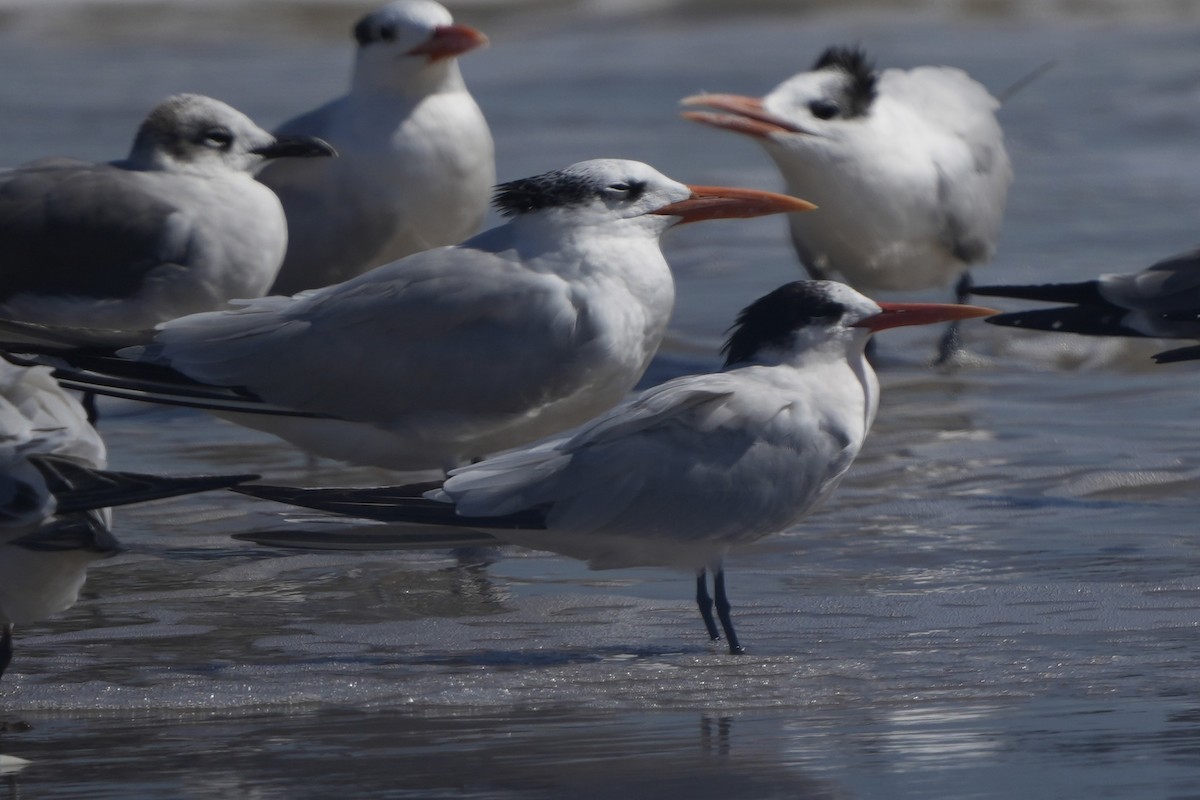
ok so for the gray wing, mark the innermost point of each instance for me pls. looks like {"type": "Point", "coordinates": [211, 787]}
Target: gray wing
{"type": "Point", "coordinates": [455, 330]}
{"type": "Point", "coordinates": [85, 229]}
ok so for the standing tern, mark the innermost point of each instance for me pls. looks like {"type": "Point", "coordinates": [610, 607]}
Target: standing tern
{"type": "Point", "coordinates": [690, 468]}
{"type": "Point", "coordinates": [523, 331]}
{"type": "Point", "coordinates": [416, 160]}
{"type": "Point", "coordinates": [55, 496]}
{"type": "Point", "coordinates": [908, 168]}
{"type": "Point", "coordinates": [1162, 301]}
{"type": "Point", "coordinates": [178, 226]}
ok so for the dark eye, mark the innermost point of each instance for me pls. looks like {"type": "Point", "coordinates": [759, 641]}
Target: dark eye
{"type": "Point", "coordinates": [824, 109]}
{"type": "Point", "coordinates": [625, 191]}
{"type": "Point", "coordinates": [217, 138]}
{"type": "Point", "coordinates": [387, 32]}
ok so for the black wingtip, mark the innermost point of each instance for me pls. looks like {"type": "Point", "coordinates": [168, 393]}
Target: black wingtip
{"type": "Point", "coordinates": [1191, 353]}
{"type": "Point", "coordinates": [391, 504]}
{"type": "Point", "coordinates": [1086, 321]}
{"type": "Point", "coordinates": [80, 488]}
{"type": "Point", "coordinates": [1085, 293]}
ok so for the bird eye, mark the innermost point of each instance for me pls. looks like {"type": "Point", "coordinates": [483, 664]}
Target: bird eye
{"type": "Point", "coordinates": [217, 138]}
{"type": "Point", "coordinates": [824, 109]}
{"type": "Point", "coordinates": [387, 32]}
{"type": "Point", "coordinates": [625, 190]}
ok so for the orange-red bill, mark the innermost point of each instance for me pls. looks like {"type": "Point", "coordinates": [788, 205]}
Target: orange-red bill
{"type": "Point", "coordinates": [448, 41]}
{"type": "Point", "coordinates": [734, 112]}
{"type": "Point", "coordinates": [895, 315]}
{"type": "Point", "coordinates": [722, 202]}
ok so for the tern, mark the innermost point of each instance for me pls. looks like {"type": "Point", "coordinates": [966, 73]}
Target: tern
{"type": "Point", "coordinates": [684, 471]}
{"type": "Point", "coordinates": [908, 168]}
{"type": "Point", "coordinates": [416, 160]}
{"type": "Point", "coordinates": [1162, 302]}
{"type": "Point", "coordinates": [54, 498]}
{"type": "Point", "coordinates": [178, 226]}
{"type": "Point", "coordinates": [523, 331]}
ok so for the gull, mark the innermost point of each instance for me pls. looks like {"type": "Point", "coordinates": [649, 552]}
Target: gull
{"type": "Point", "coordinates": [54, 498]}
{"type": "Point", "coordinates": [1162, 301]}
{"type": "Point", "coordinates": [686, 470]}
{"type": "Point", "coordinates": [449, 354]}
{"type": "Point", "coordinates": [908, 167]}
{"type": "Point", "coordinates": [178, 226]}
{"type": "Point", "coordinates": [416, 162]}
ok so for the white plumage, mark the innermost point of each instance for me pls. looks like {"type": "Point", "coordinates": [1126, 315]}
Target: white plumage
{"type": "Point", "coordinates": [416, 162]}
{"type": "Point", "coordinates": [178, 226]}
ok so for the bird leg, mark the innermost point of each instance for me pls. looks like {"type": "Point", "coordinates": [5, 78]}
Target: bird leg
{"type": "Point", "coordinates": [723, 607]}
{"type": "Point", "coordinates": [951, 341]}
{"type": "Point", "coordinates": [6, 648]}
{"type": "Point", "coordinates": [705, 602]}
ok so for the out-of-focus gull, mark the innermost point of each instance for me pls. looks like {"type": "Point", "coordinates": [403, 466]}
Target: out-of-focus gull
{"type": "Point", "coordinates": [54, 498]}
{"type": "Point", "coordinates": [525, 330]}
{"type": "Point", "coordinates": [416, 163]}
{"type": "Point", "coordinates": [178, 226]}
{"type": "Point", "coordinates": [908, 168]}
{"type": "Point", "coordinates": [690, 468]}
{"type": "Point", "coordinates": [1162, 301]}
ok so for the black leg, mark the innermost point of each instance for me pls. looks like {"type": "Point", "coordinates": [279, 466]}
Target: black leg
{"type": "Point", "coordinates": [723, 607]}
{"type": "Point", "coordinates": [6, 648]}
{"type": "Point", "coordinates": [951, 341]}
{"type": "Point", "coordinates": [706, 606]}
{"type": "Point", "coordinates": [89, 405]}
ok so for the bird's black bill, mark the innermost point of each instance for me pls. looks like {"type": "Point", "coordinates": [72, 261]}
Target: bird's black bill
{"type": "Point", "coordinates": [296, 147]}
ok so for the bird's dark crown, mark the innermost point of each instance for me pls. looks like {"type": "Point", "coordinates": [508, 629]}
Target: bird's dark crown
{"type": "Point", "coordinates": [556, 190]}
{"type": "Point", "coordinates": [863, 79]}
{"type": "Point", "coordinates": [773, 318]}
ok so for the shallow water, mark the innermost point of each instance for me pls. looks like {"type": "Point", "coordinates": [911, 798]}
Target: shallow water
{"type": "Point", "coordinates": [1001, 598]}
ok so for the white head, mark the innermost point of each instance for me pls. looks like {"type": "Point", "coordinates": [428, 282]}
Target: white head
{"type": "Point", "coordinates": [831, 102]}
{"type": "Point", "coordinates": [411, 45]}
{"type": "Point", "coordinates": [194, 134]}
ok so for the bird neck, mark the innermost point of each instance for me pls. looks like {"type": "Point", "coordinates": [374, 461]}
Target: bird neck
{"type": "Point", "coordinates": [412, 77]}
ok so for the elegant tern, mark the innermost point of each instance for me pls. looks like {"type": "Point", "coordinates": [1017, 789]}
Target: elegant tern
{"type": "Point", "coordinates": [686, 470]}
{"type": "Point", "coordinates": [908, 167]}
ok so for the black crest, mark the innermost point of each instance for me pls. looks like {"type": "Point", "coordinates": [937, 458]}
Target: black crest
{"type": "Point", "coordinates": [863, 78]}
{"type": "Point", "coordinates": [773, 318]}
{"type": "Point", "coordinates": [553, 189]}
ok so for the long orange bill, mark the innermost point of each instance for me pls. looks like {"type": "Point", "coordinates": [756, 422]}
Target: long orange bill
{"type": "Point", "coordinates": [448, 41]}
{"type": "Point", "coordinates": [735, 112]}
{"type": "Point", "coordinates": [895, 315]}
{"type": "Point", "coordinates": [722, 202]}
